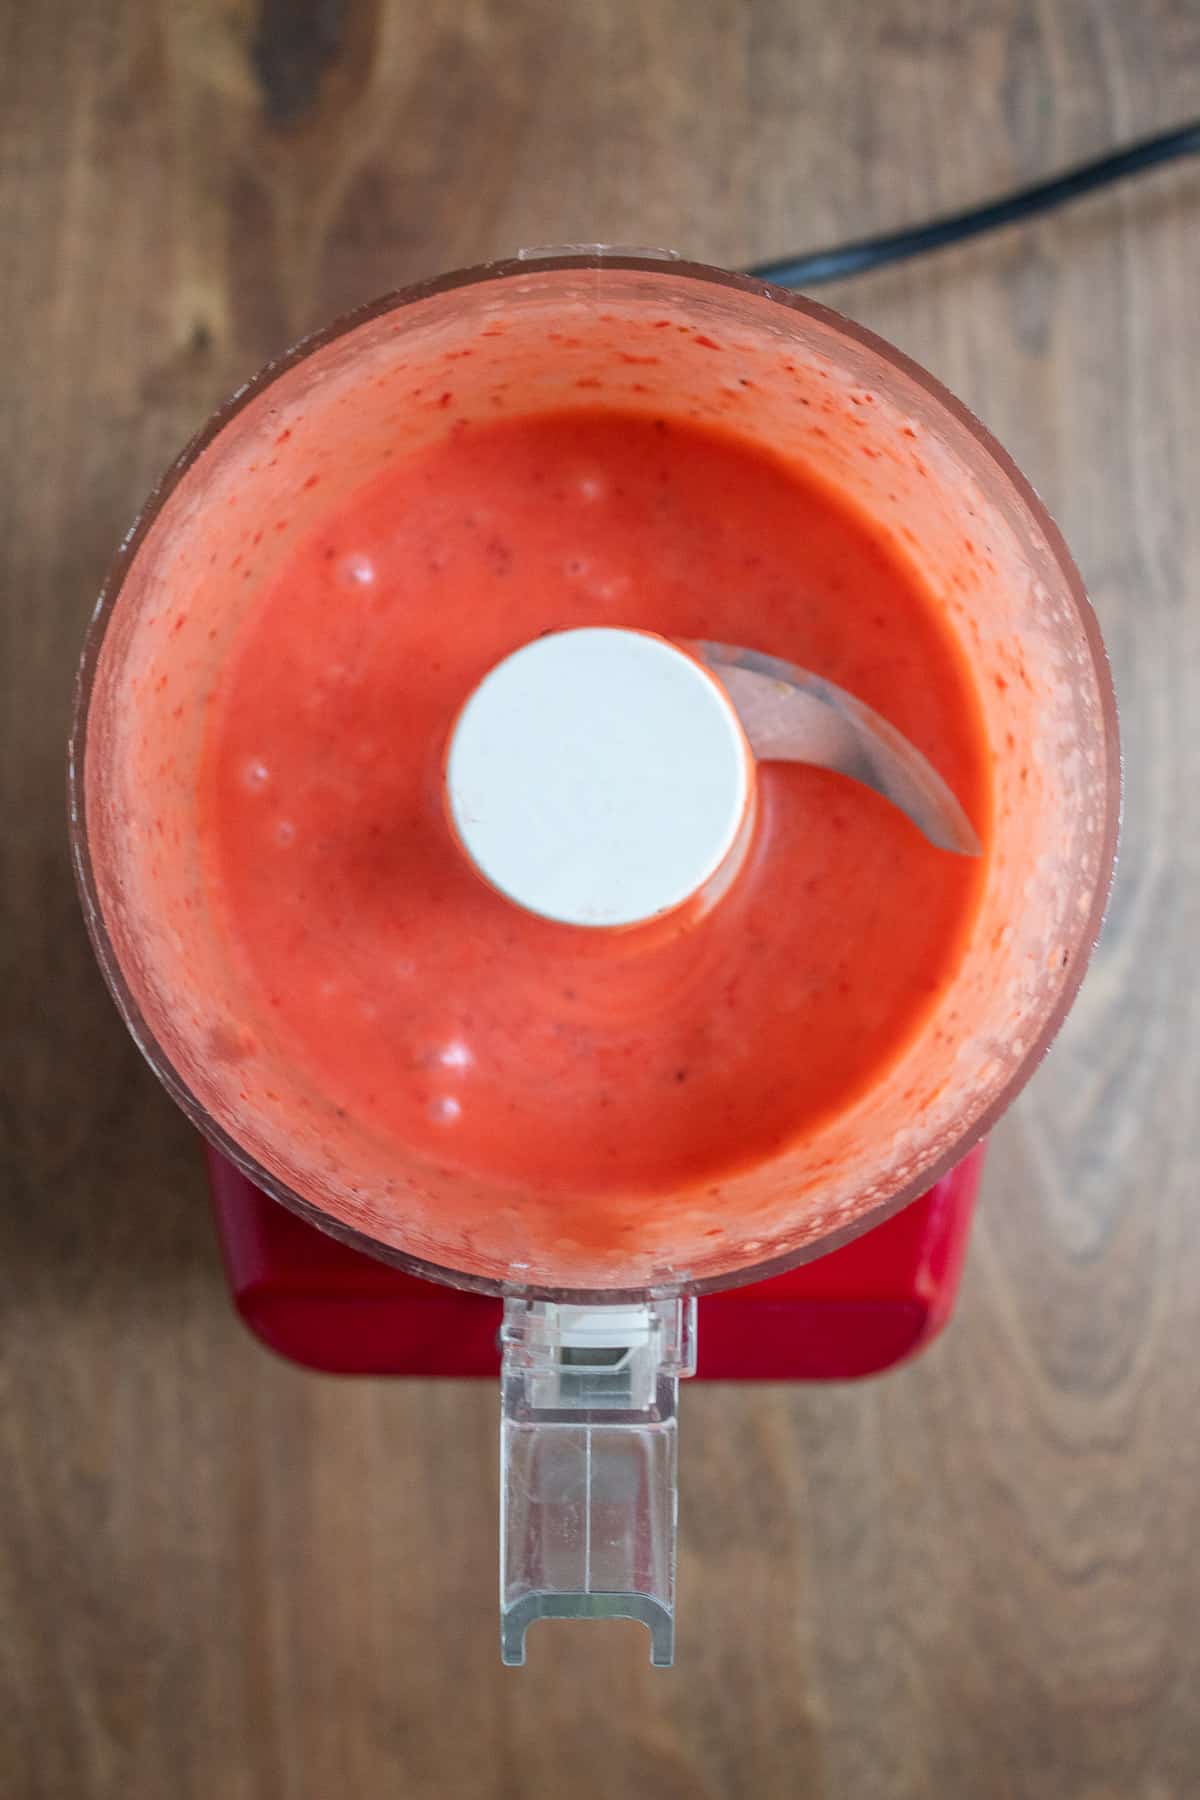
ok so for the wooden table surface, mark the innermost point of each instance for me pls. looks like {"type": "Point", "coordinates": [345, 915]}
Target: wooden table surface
{"type": "Point", "coordinates": [222, 1578]}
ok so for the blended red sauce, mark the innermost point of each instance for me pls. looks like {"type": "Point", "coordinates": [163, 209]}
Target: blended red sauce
{"type": "Point", "coordinates": [480, 1037]}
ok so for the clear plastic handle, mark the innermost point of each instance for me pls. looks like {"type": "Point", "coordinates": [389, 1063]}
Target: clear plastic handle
{"type": "Point", "coordinates": [588, 1459]}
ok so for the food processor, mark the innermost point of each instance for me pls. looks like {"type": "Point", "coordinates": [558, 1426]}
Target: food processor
{"type": "Point", "coordinates": [835, 1257]}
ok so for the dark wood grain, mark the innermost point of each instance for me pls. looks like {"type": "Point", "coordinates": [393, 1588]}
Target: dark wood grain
{"type": "Point", "coordinates": [223, 1579]}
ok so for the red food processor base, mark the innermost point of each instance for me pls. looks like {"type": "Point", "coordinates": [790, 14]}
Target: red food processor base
{"type": "Point", "coordinates": [860, 1310]}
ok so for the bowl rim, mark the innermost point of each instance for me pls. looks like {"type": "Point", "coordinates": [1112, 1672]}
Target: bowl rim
{"type": "Point", "coordinates": [500, 271]}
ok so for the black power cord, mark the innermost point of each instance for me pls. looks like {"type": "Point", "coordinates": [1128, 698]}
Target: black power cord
{"type": "Point", "coordinates": [916, 240]}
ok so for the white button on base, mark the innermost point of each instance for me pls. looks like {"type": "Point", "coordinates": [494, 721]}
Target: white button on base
{"type": "Point", "coordinates": [598, 777]}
